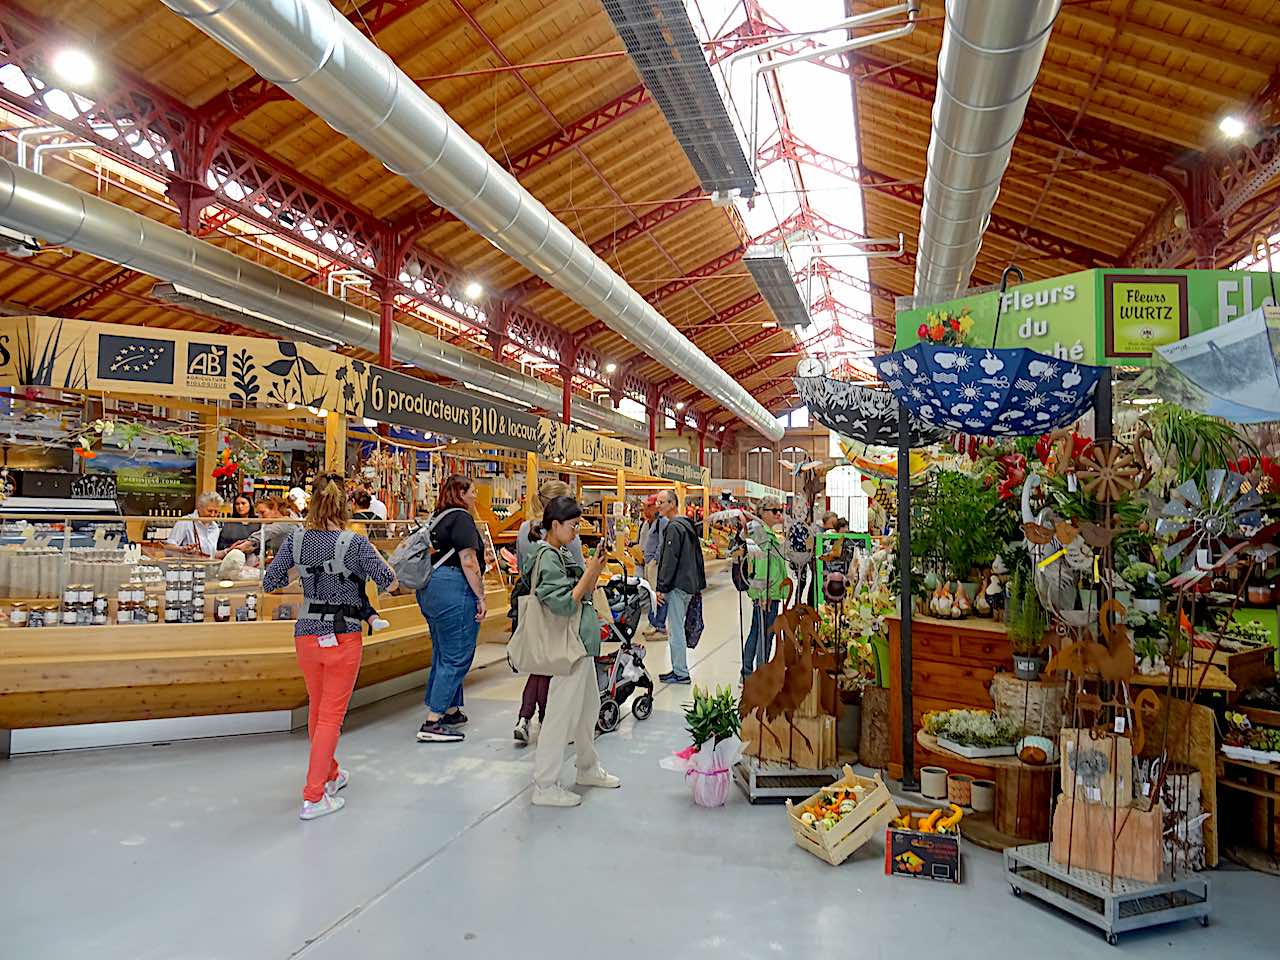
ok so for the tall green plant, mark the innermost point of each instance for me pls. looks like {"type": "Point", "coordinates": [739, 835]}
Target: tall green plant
{"type": "Point", "coordinates": [965, 524]}
{"type": "Point", "coordinates": [1025, 619]}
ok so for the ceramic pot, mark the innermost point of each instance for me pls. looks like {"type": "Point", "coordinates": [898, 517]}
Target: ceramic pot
{"type": "Point", "coordinates": [960, 789]}
{"type": "Point", "coordinates": [982, 796]}
{"type": "Point", "coordinates": [933, 783]}
{"type": "Point", "coordinates": [1147, 605]}
{"type": "Point", "coordinates": [1027, 668]}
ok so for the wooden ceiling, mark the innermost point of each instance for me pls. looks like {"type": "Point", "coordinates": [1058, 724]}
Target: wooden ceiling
{"type": "Point", "coordinates": [1146, 81]}
{"type": "Point", "coordinates": [612, 184]}
{"type": "Point", "coordinates": [1129, 91]}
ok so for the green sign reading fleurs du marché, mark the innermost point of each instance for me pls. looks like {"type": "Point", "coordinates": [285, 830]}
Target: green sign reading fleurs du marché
{"type": "Point", "coordinates": [1112, 317]}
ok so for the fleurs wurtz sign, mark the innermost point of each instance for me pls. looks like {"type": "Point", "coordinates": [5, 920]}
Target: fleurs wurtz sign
{"type": "Point", "coordinates": [408, 401]}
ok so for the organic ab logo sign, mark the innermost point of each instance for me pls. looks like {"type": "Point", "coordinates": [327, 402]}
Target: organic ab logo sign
{"type": "Point", "coordinates": [206, 360]}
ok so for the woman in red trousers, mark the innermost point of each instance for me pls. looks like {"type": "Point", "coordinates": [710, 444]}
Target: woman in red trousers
{"type": "Point", "coordinates": [334, 564]}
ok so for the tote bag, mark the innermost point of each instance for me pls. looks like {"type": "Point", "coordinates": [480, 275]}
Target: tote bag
{"type": "Point", "coordinates": [542, 642]}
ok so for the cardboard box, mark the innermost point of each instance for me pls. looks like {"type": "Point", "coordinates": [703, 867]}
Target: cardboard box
{"type": "Point", "coordinates": [788, 744]}
{"type": "Point", "coordinates": [922, 856]}
{"type": "Point", "coordinates": [1108, 760]}
{"type": "Point", "coordinates": [1085, 833]}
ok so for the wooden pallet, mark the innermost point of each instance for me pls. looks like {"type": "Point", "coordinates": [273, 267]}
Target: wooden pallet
{"type": "Point", "coordinates": [868, 819]}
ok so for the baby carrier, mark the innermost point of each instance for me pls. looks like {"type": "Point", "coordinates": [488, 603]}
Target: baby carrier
{"type": "Point", "coordinates": [328, 611]}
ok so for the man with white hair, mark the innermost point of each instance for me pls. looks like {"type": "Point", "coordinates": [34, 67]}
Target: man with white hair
{"type": "Point", "coordinates": [680, 577]}
{"type": "Point", "coordinates": [197, 534]}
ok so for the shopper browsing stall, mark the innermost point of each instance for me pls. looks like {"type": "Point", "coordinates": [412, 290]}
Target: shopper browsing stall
{"type": "Point", "coordinates": [334, 564]}
{"type": "Point", "coordinates": [236, 530]}
{"type": "Point", "coordinates": [680, 578]}
{"type": "Point", "coordinates": [767, 586]}
{"type": "Point", "coordinates": [537, 686]}
{"type": "Point", "coordinates": [362, 502]}
{"type": "Point", "coordinates": [454, 607]}
{"type": "Point", "coordinates": [651, 534]}
{"type": "Point", "coordinates": [564, 587]}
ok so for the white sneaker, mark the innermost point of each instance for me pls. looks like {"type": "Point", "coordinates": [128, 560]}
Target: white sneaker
{"type": "Point", "coordinates": [321, 808]}
{"type": "Point", "coordinates": [377, 623]}
{"type": "Point", "coordinates": [599, 777]}
{"type": "Point", "coordinates": [521, 733]}
{"type": "Point", "coordinates": [535, 728]}
{"type": "Point", "coordinates": [556, 796]}
{"type": "Point", "coordinates": [333, 786]}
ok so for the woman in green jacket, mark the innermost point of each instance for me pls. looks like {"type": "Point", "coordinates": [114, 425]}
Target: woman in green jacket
{"type": "Point", "coordinates": [767, 586]}
{"type": "Point", "coordinates": [564, 586]}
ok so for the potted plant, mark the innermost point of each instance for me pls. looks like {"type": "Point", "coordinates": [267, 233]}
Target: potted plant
{"type": "Point", "coordinates": [713, 723]}
{"type": "Point", "coordinates": [712, 716]}
{"type": "Point", "coordinates": [1026, 623]}
{"type": "Point", "coordinates": [1146, 584]}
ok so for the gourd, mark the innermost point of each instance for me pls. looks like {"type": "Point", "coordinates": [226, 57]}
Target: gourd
{"type": "Point", "coordinates": [929, 823]}
{"type": "Point", "coordinates": [950, 822]}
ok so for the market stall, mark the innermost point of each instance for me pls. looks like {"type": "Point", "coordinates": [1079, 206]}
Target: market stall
{"type": "Point", "coordinates": [229, 412]}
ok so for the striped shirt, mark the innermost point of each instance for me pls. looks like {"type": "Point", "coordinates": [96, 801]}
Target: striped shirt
{"type": "Point", "coordinates": [317, 548]}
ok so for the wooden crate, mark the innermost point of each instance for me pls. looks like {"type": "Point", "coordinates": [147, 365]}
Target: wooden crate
{"type": "Point", "coordinates": [787, 745]}
{"type": "Point", "coordinates": [1245, 668]}
{"type": "Point", "coordinates": [1098, 838]}
{"type": "Point", "coordinates": [868, 819]}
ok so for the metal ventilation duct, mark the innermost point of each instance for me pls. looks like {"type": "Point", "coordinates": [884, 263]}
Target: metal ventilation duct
{"type": "Point", "coordinates": [670, 59]}
{"type": "Point", "coordinates": [990, 56]}
{"type": "Point", "coordinates": [309, 49]}
{"type": "Point", "coordinates": [772, 273]}
{"type": "Point", "coordinates": [61, 214]}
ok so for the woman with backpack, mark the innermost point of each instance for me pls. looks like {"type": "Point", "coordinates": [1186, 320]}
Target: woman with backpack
{"type": "Point", "coordinates": [334, 564]}
{"type": "Point", "coordinates": [537, 687]}
{"type": "Point", "coordinates": [563, 586]}
{"type": "Point", "coordinates": [452, 602]}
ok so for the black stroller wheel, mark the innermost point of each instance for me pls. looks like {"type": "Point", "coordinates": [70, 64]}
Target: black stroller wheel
{"type": "Point", "coordinates": [609, 715]}
{"type": "Point", "coordinates": [642, 707]}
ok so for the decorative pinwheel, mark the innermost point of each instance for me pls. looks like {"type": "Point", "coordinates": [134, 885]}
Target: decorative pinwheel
{"type": "Point", "coordinates": [1108, 471]}
{"type": "Point", "coordinates": [1198, 520]}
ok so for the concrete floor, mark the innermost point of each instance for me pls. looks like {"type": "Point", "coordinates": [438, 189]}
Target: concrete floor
{"type": "Point", "coordinates": [194, 851]}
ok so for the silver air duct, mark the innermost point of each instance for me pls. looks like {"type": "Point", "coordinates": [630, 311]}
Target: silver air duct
{"type": "Point", "coordinates": [309, 49]}
{"type": "Point", "coordinates": [61, 214]}
{"type": "Point", "coordinates": [990, 56]}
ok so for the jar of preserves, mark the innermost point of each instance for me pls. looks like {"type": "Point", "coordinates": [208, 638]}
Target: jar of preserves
{"type": "Point", "coordinates": [18, 615]}
{"type": "Point", "coordinates": [222, 613]}
{"type": "Point", "coordinates": [153, 610]}
{"type": "Point", "coordinates": [36, 617]}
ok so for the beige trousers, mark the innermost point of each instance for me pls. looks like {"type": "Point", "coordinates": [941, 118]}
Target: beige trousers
{"type": "Point", "coordinates": [573, 706]}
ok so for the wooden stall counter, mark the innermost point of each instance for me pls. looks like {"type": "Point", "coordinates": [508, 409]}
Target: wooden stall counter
{"type": "Point", "coordinates": [952, 665]}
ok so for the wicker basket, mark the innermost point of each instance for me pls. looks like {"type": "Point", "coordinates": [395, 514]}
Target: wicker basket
{"type": "Point", "coordinates": [869, 818]}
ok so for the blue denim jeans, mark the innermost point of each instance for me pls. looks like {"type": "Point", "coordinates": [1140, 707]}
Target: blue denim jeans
{"type": "Point", "coordinates": [658, 612]}
{"type": "Point", "coordinates": [449, 606]}
{"type": "Point", "coordinates": [756, 653]}
{"type": "Point", "coordinates": [677, 607]}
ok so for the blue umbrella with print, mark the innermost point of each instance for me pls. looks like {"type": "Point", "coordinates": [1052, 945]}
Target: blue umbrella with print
{"type": "Point", "coordinates": [988, 391]}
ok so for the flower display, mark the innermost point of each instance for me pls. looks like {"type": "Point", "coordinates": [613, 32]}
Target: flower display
{"type": "Point", "coordinates": [947, 329]}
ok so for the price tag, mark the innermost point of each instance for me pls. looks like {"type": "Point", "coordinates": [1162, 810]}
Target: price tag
{"type": "Point", "coordinates": [1119, 726]}
{"type": "Point", "coordinates": [328, 640]}
{"type": "Point", "coordinates": [1093, 793]}
{"type": "Point", "coordinates": [1146, 789]}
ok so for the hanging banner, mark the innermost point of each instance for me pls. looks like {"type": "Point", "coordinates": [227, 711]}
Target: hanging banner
{"type": "Point", "coordinates": [1106, 317]}
{"type": "Point", "coordinates": [409, 401]}
{"type": "Point", "coordinates": [257, 371]}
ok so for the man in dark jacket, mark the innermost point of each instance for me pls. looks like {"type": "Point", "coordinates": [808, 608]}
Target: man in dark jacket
{"type": "Point", "coordinates": [680, 577]}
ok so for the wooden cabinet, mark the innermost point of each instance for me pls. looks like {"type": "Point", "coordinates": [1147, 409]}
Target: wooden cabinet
{"type": "Point", "coordinates": [952, 663]}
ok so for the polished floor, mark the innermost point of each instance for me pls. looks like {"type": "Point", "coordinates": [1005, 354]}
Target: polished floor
{"type": "Point", "coordinates": [193, 850]}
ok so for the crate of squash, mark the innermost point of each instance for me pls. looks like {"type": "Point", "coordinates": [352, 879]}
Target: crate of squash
{"type": "Point", "coordinates": [924, 844]}
{"type": "Point", "coordinates": [839, 819]}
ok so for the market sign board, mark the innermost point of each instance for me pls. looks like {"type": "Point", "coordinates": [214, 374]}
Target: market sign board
{"type": "Point", "coordinates": [257, 371]}
{"type": "Point", "coordinates": [1108, 317]}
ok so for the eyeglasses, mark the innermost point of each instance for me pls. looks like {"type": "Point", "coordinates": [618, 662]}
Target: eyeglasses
{"type": "Point", "coordinates": [772, 509]}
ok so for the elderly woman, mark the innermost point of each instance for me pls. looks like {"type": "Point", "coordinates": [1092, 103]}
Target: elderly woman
{"type": "Point", "coordinates": [197, 533]}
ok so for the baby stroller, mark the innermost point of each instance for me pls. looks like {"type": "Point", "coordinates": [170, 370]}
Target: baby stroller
{"type": "Point", "coordinates": [618, 675]}
{"type": "Point", "coordinates": [629, 602]}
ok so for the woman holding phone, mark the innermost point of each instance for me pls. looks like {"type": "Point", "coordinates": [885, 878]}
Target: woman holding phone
{"type": "Point", "coordinates": [564, 586]}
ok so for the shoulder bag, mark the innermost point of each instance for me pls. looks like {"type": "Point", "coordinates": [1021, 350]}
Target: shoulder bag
{"type": "Point", "coordinates": [543, 643]}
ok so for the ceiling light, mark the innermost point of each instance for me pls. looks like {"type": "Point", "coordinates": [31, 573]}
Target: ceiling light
{"type": "Point", "coordinates": [610, 367]}
{"type": "Point", "coordinates": [473, 291]}
{"type": "Point", "coordinates": [74, 66]}
{"type": "Point", "coordinates": [1232, 126]}
{"type": "Point", "coordinates": [1144, 401]}
{"type": "Point", "coordinates": [769, 324]}
{"type": "Point", "coordinates": [369, 423]}
{"type": "Point", "coordinates": [680, 405]}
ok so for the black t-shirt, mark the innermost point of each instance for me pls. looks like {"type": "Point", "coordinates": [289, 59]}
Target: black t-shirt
{"type": "Point", "coordinates": [457, 530]}
{"type": "Point", "coordinates": [364, 515]}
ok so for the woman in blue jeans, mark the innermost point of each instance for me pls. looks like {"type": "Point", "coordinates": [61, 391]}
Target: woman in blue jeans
{"type": "Point", "coordinates": [453, 604]}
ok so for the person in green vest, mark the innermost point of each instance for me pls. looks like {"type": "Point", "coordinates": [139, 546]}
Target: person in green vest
{"type": "Point", "coordinates": [767, 586]}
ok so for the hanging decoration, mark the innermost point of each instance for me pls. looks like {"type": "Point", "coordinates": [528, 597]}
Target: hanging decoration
{"type": "Point", "coordinates": [863, 414]}
{"type": "Point", "coordinates": [1200, 522]}
{"type": "Point", "coordinates": [986, 391]}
